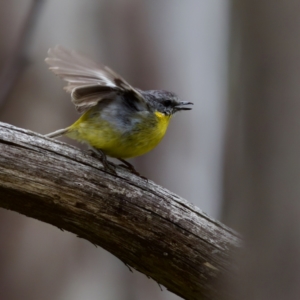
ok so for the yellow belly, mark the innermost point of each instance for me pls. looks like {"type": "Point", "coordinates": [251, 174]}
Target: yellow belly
{"type": "Point", "coordinates": [101, 135]}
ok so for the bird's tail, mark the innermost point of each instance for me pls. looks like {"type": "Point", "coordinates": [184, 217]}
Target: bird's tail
{"type": "Point", "coordinates": [57, 133]}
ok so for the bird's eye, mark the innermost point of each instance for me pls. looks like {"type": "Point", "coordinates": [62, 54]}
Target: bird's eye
{"type": "Point", "coordinates": [167, 102]}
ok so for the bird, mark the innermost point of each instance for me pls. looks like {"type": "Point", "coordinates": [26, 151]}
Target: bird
{"type": "Point", "coordinates": [117, 120]}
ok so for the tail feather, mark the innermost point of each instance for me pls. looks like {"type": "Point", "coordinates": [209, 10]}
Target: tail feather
{"type": "Point", "coordinates": [57, 133]}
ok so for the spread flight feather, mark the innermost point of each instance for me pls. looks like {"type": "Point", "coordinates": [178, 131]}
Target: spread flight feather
{"type": "Point", "coordinates": [88, 82]}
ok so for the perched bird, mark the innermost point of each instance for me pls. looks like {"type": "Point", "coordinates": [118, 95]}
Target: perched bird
{"type": "Point", "coordinates": [118, 120]}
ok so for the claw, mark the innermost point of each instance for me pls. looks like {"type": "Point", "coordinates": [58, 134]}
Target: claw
{"type": "Point", "coordinates": [131, 168]}
{"type": "Point", "coordinates": [100, 155]}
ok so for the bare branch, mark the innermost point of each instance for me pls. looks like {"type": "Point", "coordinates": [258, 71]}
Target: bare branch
{"type": "Point", "coordinates": [147, 227]}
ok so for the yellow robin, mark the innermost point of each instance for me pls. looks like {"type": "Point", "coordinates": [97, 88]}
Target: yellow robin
{"type": "Point", "coordinates": [117, 120]}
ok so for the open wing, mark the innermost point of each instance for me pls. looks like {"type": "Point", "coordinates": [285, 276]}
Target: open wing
{"type": "Point", "coordinates": [89, 82]}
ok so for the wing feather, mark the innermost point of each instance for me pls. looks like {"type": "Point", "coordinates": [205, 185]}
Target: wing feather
{"type": "Point", "coordinates": [89, 82]}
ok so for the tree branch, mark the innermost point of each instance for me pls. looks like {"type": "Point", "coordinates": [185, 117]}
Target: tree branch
{"type": "Point", "coordinates": [143, 224]}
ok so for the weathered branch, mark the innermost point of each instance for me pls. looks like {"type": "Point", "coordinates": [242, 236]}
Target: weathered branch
{"type": "Point", "coordinates": [143, 224]}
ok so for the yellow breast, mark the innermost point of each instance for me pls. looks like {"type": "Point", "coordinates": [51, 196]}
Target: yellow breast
{"type": "Point", "coordinates": [102, 135]}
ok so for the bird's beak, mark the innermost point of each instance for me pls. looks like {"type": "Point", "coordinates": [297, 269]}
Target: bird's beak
{"type": "Point", "coordinates": [179, 107]}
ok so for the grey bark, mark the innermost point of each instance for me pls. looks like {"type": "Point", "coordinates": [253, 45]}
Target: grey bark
{"type": "Point", "coordinates": [149, 228]}
{"type": "Point", "coordinates": [263, 172]}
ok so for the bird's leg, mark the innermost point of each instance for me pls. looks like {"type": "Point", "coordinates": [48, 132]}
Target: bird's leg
{"type": "Point", "coordinates": [128, 166]}
{"type": "Point", "coordinates": [99, 154]}
{"type": "Point", "coordinates": [131, 168]}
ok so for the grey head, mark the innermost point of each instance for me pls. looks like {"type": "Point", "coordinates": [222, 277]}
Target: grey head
{"type": "Point", "coordinates": [165, 102]}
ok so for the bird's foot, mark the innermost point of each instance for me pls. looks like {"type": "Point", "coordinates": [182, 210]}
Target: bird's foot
{"type": "Point", "coordinates": [100, 155]}
{"type": "Point", "coordinates": [131, 168]}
